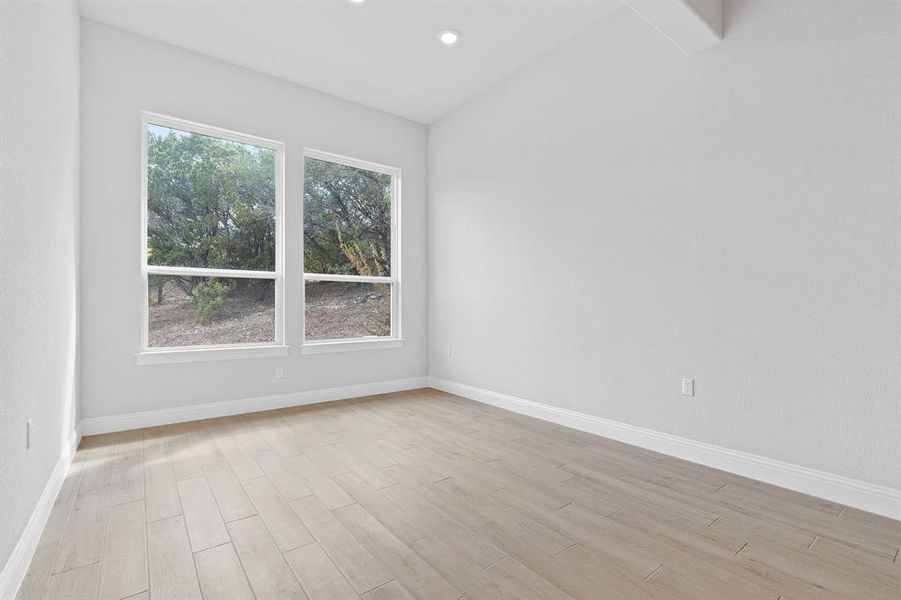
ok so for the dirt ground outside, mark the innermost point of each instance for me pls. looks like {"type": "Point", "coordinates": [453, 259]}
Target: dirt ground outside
{"type": "Point", "coordinates": [245, 318]}
{"type": "Point", "coordinates": [334, 310]}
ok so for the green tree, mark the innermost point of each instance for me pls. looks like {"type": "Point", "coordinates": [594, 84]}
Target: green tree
{"type": "Point", "coordinates": [209, 296]}
{"type": "Point", "coordinates": [211, 203]}
{"type": "Point", "coordinates": [347, 220]}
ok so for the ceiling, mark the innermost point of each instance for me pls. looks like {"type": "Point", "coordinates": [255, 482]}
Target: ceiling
{"type": "Point", "coordinates": [380, 53]}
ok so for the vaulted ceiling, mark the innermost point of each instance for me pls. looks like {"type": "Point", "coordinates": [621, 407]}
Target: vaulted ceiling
{"type": "Point", "coordinates": [380, 53]}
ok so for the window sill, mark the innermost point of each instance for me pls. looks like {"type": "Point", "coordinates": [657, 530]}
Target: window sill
{"type": "Point", "coordinates": [187, 355]}
{"type": "Point", "coordinates": [329, 346]}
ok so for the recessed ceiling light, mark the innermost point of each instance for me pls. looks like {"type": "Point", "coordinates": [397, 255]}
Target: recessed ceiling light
{"type": "Point", "coordinates": [357, 1]}
{"type": "Point", "coordinates": [449, 37]}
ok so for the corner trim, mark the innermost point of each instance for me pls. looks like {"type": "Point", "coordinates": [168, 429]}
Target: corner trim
{"type": "Point", "coordinates": [17, 566]}
{"type": "Point", "coordinates": [836, 488]}
{"type": "Point", "coordinates": [181, 414]}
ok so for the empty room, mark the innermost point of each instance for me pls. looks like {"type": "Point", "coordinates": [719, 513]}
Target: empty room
{"type": "Point", "coordinates": [450, 299]}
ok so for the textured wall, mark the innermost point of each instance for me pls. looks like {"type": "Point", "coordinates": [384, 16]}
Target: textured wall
{"type": "Point", "coordinates": [123, 74]}
{"type": "Point", "coordinates": [38, 249]}
{"type": "Point", "coordinates": [620, 215]}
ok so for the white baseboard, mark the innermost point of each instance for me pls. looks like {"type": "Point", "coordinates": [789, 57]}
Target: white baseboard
{"type": "Point", "coordinates": [836, 488]}
{"type": "Point", "coordinates": [17, 566]}
{"type": "Point", "coordinates": [181, 414]}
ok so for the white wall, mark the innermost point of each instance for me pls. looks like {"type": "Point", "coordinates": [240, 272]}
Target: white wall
{"type": "Point", "coordinates": [123, 74]}
{"type": "Point", "coordinates": [620, 215]}
{"type": "Point", "coordinates": [38, 250]}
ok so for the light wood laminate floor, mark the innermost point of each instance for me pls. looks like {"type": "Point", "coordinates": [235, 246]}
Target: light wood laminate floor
{"type": "Point", "coordinates": [426, 495]}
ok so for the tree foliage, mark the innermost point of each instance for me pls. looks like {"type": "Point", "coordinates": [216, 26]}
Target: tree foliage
{"type": "Point", "coordinates": [211, 203]}
{"type": "Point", "coordinates": [347, 220]}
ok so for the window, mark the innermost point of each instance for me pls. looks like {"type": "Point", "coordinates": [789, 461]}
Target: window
{"type": "Point", "coordinates": [211, 238]}
{"type": "Point", "coordinates": [351, 271]}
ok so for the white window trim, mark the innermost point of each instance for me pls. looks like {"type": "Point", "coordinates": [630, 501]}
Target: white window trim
{"type": "Point", "coordinates": [184, 354]}
{"type": "Point", "coordinates": [350, 345]}
{"type": "Point", "coordinates": [148, 355]}
{"type": "Point", "coordinates": [395, 340]}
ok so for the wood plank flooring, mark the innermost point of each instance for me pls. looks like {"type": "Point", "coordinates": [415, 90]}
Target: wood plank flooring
{"type": "Point", "coordinates": [424, 495]}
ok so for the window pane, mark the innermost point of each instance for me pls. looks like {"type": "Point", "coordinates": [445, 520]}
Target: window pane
{"type": "Point", "coordinates": [210, 202]}
{"type": "Point", "coordinates": [194, 311]}
{"type": "Point", "coordinates": [336, 310]}
{"type": "Point", "coordinates": [347, 220]}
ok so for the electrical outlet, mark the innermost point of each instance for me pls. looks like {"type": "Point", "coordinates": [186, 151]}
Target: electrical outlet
{"type": "Point", "coordinates": [688, 386]}
{"type": "Point", "coordinates": [447, 351]}
{"type": "Point", "coordinates": [279, 372]}
{"type": "Point", "coordinates": [29, 433]}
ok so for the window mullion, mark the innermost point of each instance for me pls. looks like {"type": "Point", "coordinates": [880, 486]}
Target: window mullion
{"type": "Point", "coordinates": [207, 272]}
{"type": "Point", "coordinates": [346, 278]}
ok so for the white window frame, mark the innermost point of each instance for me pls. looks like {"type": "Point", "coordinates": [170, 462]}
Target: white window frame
{"type": "Point", "coordinates": [394, 340]}
{"type": "Point", "coordinates": [177, 354]}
